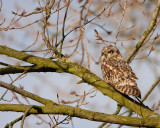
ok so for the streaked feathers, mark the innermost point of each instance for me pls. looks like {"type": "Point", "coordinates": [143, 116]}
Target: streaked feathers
{"type": "Point", "coordinates": [117, 72]}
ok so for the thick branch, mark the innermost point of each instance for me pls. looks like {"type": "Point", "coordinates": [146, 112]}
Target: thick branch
{"type": "Point", "coordinates": [81, 113]}
{"type": "Point", "coordinates": [20, 69]}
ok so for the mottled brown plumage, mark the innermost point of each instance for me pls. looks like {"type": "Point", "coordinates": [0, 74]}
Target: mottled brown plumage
{"type": "Point", "coordinates": [117, 72]}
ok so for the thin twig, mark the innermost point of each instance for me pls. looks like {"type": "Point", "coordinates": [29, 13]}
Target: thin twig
{"type": "Point", "coordinates": [63, 35]}
{"type": "Point", "coordinates": [48, 13]}
{"type": "Point", "coordinates": [13, 122]}
{"type": "Point", "coordinates": [33, 42]}
{"type": "Point", "coordinates": [124, 10]}
{"type": "Point", "coordinates": [85, 23]}
{"type": "Point", "coordinates": [151, 89]}
{"type": "Point", "coordinates": [150, 28]}
{"type": "Point", "coordinates": [57, 22]}
{"type": "Point", "coordinates": [25, 93]}
{"type": "Point", "coordinates": [25, 114]}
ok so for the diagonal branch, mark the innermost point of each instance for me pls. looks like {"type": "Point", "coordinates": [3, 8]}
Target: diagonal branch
{"type": "Point", "coordinates": [25, 93]}
{"type": "Point", "coordinates": [151, 89]}
{"type": "Point", "coordinates": [153, 22]}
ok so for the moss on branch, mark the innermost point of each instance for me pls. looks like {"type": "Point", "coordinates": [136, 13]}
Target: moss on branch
{"type": "Point", "coordinates": [81, 113]}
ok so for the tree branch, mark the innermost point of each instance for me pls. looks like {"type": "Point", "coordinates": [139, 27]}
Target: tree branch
{"type": "Point", "coordinates": [151, 89]}
{"type": "Point", "coordinates": [81, 113]}
{"type": "Point", "coordinates": [25, 93]}
{"type": "Point", "coordinates": [153, 22]}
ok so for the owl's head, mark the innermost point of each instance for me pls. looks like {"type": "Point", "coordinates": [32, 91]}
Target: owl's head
{"type": "Point", "coordinates": [110, 52]}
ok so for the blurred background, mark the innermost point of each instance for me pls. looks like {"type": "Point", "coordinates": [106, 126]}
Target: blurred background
{"type": "Point", "coordinates": [122, 22]}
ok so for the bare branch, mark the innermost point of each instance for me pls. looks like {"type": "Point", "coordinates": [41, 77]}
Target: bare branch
{"type": "Point", "coordinates": [153, 22]}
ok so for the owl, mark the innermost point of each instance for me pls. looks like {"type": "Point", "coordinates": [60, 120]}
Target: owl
{"type": "Point", "coordinates": [117, 72]}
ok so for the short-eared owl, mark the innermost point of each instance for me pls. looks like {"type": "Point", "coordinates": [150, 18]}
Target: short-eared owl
{"type": "Point", "coordinates": [117, 72]}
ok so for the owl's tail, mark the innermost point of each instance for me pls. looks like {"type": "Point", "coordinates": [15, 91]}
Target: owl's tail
{"type": "Point", "coordinates": [129, 90]}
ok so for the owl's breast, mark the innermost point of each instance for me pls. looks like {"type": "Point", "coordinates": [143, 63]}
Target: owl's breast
{"type": "Point", "coordinates": [110, 74]}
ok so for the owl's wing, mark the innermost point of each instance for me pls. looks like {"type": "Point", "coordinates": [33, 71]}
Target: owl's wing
{"type": "Point", "coordinates": [127, 70]}
{"type": "Point", "coordinates": [121, 68]}
{"type": "Point", "coordinates": [123, 78]}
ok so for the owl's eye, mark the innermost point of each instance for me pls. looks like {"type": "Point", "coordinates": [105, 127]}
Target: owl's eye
{"type": "Point", "coordinates": [111, 52]}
